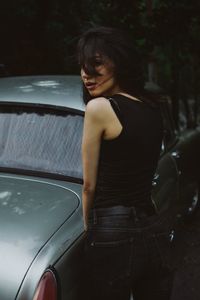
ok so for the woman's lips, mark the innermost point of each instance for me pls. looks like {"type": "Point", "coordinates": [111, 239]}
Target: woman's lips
{"type": "Point", "coordinates": [90, 85]}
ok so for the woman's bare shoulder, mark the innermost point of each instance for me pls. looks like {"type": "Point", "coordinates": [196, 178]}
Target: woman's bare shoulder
{"type": "Point", "coordinates": [98, 106]}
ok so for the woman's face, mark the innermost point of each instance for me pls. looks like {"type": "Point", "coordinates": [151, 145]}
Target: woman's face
{"type": "Point", "coordinates": [103, 84]}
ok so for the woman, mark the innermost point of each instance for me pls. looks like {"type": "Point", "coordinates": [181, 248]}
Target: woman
{"type": "Point", "coordinates": [121, 146]}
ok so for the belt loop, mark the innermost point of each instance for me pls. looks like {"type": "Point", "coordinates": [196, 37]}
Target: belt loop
{"type": "Point", "coordinates": [94, 217]}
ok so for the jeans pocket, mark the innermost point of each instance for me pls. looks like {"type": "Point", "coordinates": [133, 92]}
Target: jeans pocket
{"type": "Point", "coordinates": [109, 243]}
{"type": "Point", "coordinates": [108, 261]}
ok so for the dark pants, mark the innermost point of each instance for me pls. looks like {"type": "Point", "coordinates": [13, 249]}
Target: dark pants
{"type": "Point", "coordinates": [127, 251]}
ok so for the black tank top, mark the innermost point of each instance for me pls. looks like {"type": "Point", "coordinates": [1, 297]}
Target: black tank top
{"type": "Point", "coordinates": [128, 162]}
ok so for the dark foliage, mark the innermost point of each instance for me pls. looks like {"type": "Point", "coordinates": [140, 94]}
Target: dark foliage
{"type": "Point", "coordinates": [40, 36]}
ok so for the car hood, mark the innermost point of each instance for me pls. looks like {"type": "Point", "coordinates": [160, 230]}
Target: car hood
{"type": "Point", "coordinates": [31, 211]}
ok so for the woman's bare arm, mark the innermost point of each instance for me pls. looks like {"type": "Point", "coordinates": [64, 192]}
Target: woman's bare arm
{"type": "Point", "coordinates": [94, 126]}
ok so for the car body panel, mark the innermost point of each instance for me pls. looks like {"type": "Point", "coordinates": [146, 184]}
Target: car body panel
{"type": "Point", "coordinates": [187, 157]}
{"type": "Point", "coordinates": [31, 211]}
{"type": "Point", "coordinates": [69, 237]}
{"type": "Point", "coordinates": [165, 184]}
{"type": "Point", "coordinates": [177, 176]}
{"type": "Point", "coordinates": [186, 154]}
{"type": "Point", "coordinates": [63, 91]}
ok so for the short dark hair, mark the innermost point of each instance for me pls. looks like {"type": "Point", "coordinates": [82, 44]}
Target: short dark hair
{"type": "Point", "coordinates": [117, 46]}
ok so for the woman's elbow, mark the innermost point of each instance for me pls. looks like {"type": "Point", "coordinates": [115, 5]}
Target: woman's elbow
{"type": "Point", "coordinates": [88, 188]}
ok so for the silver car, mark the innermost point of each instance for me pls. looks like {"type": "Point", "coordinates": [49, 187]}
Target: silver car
{"type": "Point", "coordinates": [41, 227]}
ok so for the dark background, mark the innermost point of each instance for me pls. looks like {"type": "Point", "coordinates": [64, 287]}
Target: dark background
{"type": "Point", "coordinates": [39, 37]}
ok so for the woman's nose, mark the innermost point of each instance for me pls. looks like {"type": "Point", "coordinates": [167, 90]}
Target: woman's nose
{"type": "Point", "coordinates": [84, 75]}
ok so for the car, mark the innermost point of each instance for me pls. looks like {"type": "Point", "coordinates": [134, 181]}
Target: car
{"type": "Point", "coordinates": [41, 225]}
{"type": "Point", "coordinates": [175, 187]}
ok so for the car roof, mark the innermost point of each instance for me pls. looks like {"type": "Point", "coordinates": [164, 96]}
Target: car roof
{"type": "Point", "coordinates": [56, 90]}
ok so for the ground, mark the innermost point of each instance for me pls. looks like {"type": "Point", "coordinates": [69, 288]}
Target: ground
{"type": "Point", "coordinates": [186, 259]}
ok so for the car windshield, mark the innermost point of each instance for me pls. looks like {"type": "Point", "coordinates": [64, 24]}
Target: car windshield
{"type": "Point", "coordinates": [41, 140]}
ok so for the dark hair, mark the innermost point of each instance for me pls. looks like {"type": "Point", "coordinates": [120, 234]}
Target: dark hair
{"type": "Point", "coordinates": [120, 49]}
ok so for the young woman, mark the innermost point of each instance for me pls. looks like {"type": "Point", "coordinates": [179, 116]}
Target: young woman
{"type": "Point", "coordinates": [121, 146]}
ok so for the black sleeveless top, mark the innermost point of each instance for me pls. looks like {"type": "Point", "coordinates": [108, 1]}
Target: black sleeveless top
{"type": "Point", "coordinates": [128, 162]}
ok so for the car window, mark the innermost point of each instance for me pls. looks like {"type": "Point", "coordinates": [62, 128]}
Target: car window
{"type": "Point", "coordinates": [41, 140]}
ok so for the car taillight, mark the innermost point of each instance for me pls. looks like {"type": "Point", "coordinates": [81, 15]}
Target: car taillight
{"type": "Point", "coordinates": [47, 287]}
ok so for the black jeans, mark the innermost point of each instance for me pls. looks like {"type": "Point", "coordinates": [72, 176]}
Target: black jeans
{"type": "Point", "coordinates": [127, 251]}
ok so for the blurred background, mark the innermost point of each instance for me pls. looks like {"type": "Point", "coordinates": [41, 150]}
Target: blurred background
{"type": "Point", "coordinates": [40, 36]}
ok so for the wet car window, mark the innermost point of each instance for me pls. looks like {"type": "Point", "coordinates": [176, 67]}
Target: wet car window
{"type": "Point", "coordinates": [41, 140]}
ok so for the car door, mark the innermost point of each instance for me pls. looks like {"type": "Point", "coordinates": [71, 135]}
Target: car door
{"type": "Point", "coordinates": [165, 185]}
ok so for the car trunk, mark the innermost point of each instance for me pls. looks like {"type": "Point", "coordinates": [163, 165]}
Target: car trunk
{"type": "Point", "coordinates": [31, 211]}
